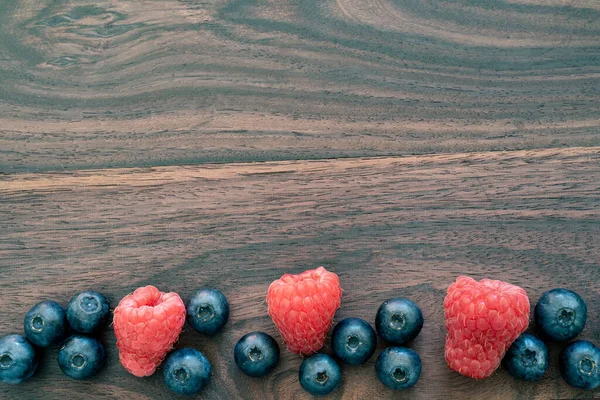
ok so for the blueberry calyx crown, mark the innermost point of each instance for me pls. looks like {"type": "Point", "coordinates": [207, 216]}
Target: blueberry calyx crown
{"type": "Point", "coordinates": [181, 374]}
{"type": "Point", "coordinates": [89, 304]}
{"type": "Point", "coordinates": [529, 358]}
{"type": "Point", "coordinates": [205, 312]}
{"type": "Point", "coordinates": [353, 343]}
{"type": "Point", "coordinates": [587, 366]}
{"type": "Point", "coordinates": [322, 377]}
{"type": "Point", "coordinates": [255, 354]}
{"type": "Point", "coordinates": [566, 316]}
{"type": "Point", "coordinates": [397, 321]}
{"type": "Point", "coordinates": [78, 361]}
{"type": "Point", "coordinates": [400, 375]}
{"type": "Point", "coordinates": [37, 323]}
{"type": "Point", "coordinates": [5, 360]}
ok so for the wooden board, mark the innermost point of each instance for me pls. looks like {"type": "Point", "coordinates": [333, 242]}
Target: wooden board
{"type": "Point", "coordinates": [409, 142]}
{"type": "Point", "coordinates": [396, 226]}
{"type": "Point", "coordinates": [128, 83]}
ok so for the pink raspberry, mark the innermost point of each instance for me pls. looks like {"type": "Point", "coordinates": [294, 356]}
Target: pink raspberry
{"type": "Point", "coordinates": [483, 319]}
{"type": "Point", "coordinates": [147, 323]}
{"type": "Point", "coordinates": [302, 307]}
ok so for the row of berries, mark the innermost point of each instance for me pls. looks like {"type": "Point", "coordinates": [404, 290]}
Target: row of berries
{"type": "Point", "coordinates": [353, 342]}
{"type": "Point", "coordinates": [560, 315]}
{"type": "Point", "coordinates": [485, 320]}
{"type": "Point", "coordinates": [146, 324]}
{"type": "Point", "coordinates": [47, 323]}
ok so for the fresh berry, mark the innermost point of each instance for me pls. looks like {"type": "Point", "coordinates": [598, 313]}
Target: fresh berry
{"type": "Point", "coordinates": [527, 358]}
{"type": "Point", "coordinates": [256, 354]}
{"type": "Point", "coordinates": [320, 374]}
{"type": "Point", "coordinates": [483, 319]}
{"type": "Point", "coordinates": [208, 311]}
{"type": "Point", "coordinates": [580, 365]}
{"type": "Point", "coordinates": [398, 368]}
{"type": "Point", "coordinates": [398, 320]}
{"type": "Point", "coordinates": [87, 311]}
{"type": "Point", "coordinates": [302, 307]}
{"type": "Point", "coordinates": [186, 371]}
{"type": "Point", "coordinates": [560, 314]}
{"type": "Point", "coordinates": [18, 360]}
{"type": "Point", "coordinates": [353, 341]}
{"type": "Point", "coordinates": [81, 357]}
{"type": "Point", "coordinates": [147, 323]}
{"type": "Point", "coordinates": [46, 324]}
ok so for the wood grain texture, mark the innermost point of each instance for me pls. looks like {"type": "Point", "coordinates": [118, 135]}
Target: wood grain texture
{"type": "Point", "coordinates": [127, 83]}
{"type": "Point", "coordinates": [108, 108]}
{"type": "Point", "coordinates": [396, 226]}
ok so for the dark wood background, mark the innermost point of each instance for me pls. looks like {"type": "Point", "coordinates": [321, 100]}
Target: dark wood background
{"type": "Point", "coordinates": [225, 142]}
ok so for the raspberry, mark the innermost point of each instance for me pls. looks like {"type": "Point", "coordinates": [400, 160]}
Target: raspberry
{"type": "Point", "coordinates": [302, 307]}
{"type": "Point", "coordinates": [147, 323]}
{"type": "Point", "coordinates": [483, 319]}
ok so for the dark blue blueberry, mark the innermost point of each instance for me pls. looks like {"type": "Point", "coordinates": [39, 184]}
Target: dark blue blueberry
{"type": "Point", "coordinates": [560, 314]}
{"type": "Point", "coordinates": [186, 371]}
{"type": "Point", "coordinates": [527, 358]}
{"type": "Point", "coordinates": [256, 354]}
{"type": "Point", "coordinates": [46, 324]}
{"type": "Point", "coordinates": [580, 365]}
{"type": "Point", "coordinates": [398, 320]}
{"type": "Point", "coordinates": [18, 359]}
{"type": "Point", "coordinates": [353, 341]}
{"type": "Point", "coordinates": [320, 374]}
{"type": "Point", "coordinates": [81, 357]}
{"type": "Point", "coordinates": [398, 368]}
{"type": "Point", "coordinates": [208, 311]}
{"type": "Point", "coordinates": [88, 311]}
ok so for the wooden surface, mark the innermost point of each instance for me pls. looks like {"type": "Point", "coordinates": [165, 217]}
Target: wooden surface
{"type": "Point", "coordinates": [129, 83]}
{"type": "Point", "coordinates": [388, 226]}
{"type": "Point", "coordinates": [222, 143]}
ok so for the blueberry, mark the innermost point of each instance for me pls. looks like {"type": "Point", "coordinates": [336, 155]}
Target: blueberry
{"type": "Point", "coordinates": [398, 320]}
{"type": "Point", "coordinates": [320, 374]}
{"type": "Point", "coordinates": [256, 354]}
{"type": "Point", "coordinates": [18, 359]}
{"type": "Point", "coordinates": [580, 365]}
{"type": "Point", "coordinates": [353, 341]}
{"type": "Point", "coordinates": [560, 314]}
{"type": "Point", "coordinates": [45, 324]}
{"type": "Point", "coordinates": [398, 368]}
{"type": "Point", "coordinates": [186, 371]}
{"type": "Point", "coordinates": [527, 358]}
{"type": "Point", "coordinates": [87, 311]}
{"type": "Point", "coordinates": [208, 311]}
{"type": "Point", "coordinates": [81, 357]}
